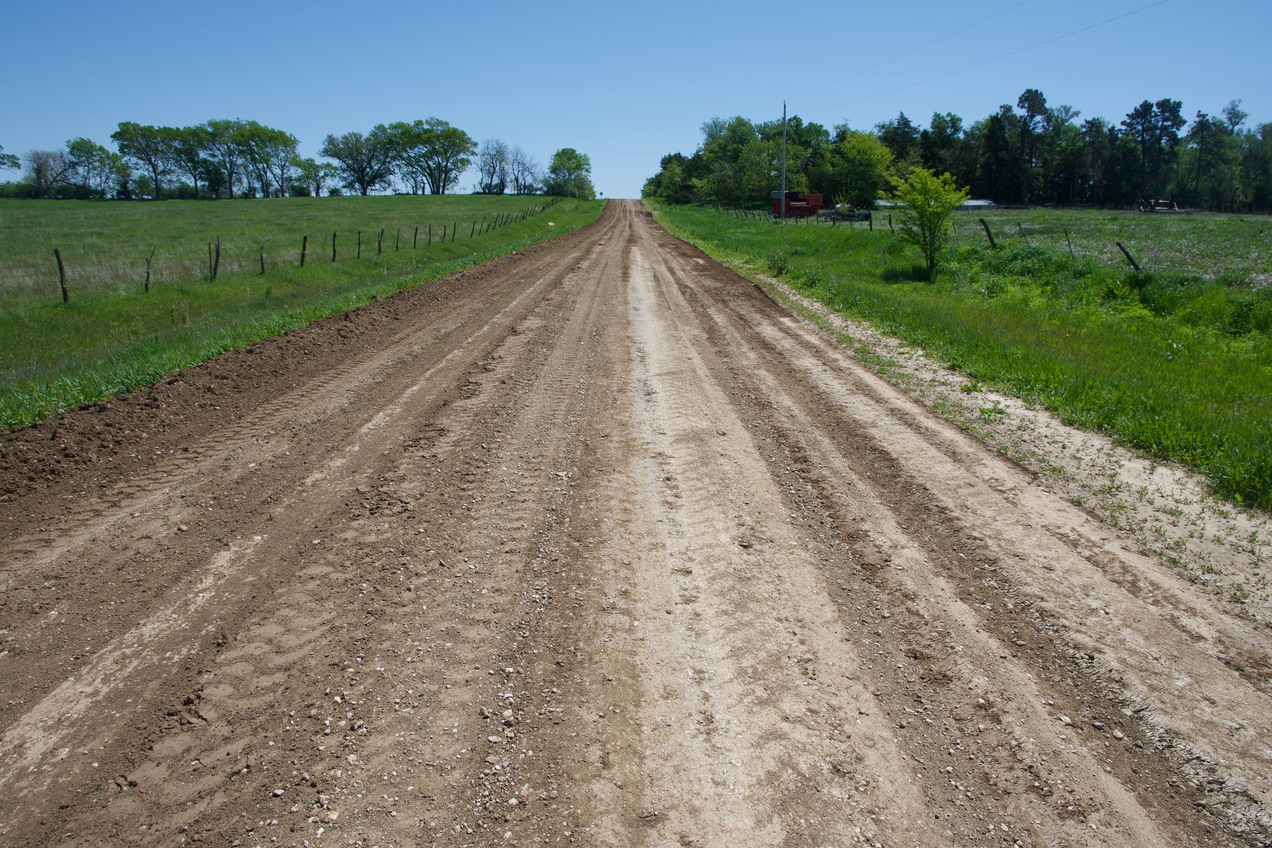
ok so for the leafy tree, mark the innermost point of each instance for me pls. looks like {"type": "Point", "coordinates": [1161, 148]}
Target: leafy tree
{"type": "Point", "coordinates": [314, 175]}
{"type": "Point", "coordinates": [1155, 129]}
{"type": "Point", "coordinates": [901, 137]}
{"type": "Point", "coordinates": [861, 169]}
{"type": "Point", "coordinates": [759, 169]}
{"type": "Point", "coordinates": [187, 149]}
{"type": "Point", "coordinates": [97, 171]}
{"type": "Point", "coordinates": [429, 153]}
{"type": "Point", "coordinates": [996, 176]}
{"type": "Point", "coordinates": [266, 156]}
{"type": "Point", "coordinates": [149, 147]}
{"type": "Point", "coordinates": [1256, 166]}
{"type": "Point", "coordinates": [1214, 151]}
{"type": "Point", "coordinates": [1062, 167]}
{"type": "Point", "coordinates": [939, 144]}
{"type": "Point", "coordinates": [8, 160]}
{"type": "Point", "coordinates": [223, 148]}
{"type": "Point", "coordinates": [672, 182]}
{"type": "Point", "coordinates": [723, 143]}
{"type": "Point", "coordinates": [1029, 125]}
{"type": "Point", "coordinates": [569, 175]}
{"type": "Point", "coordinates": [447, 153]}
{"type": "Point", "coordinates": [492, 167]}
{"type": "Point", "coordinates": [808, 146]}
{"type": "Point", "coordinates": [365, 162]}
{"type": "Point", "coordinates": [927, 202]}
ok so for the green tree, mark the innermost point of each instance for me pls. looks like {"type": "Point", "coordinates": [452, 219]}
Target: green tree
{"type": "Point", "coordinates": [8, 160]}
{"type": "Point", "coordinates": [429, 154]}
{"type": "Point", "coordinates": [722, 146]}
{"type": "Point", "coordinates": [1155, 129]}
{"type": "Point", "coordinates": [97, 171]}
{"type": "Point", "coordinates": [365, 162]}
{"type": "Point", "coordinates": [939, 143]}
{"type": "Point", "coordinates": [223, 148]}
{"type": "Point", "coordinates": [997, 176]}
{"type": "Point", "coordinates": [150, 148]}
{"type": "Point", "coordinates": [570, 175]}
{"type": "Point", "coordinates": [267, 155]}
{"type": "Point", "coordinates": [188, 148]}
{"type": "Point", "coordinates": [672, 182]}
{"type": "Point", "coordinates": [861, 168]}
{"type": "Point", "coordinates": [926, 202]}
{"type": "Point", "coordinates": [902, 138]}
{"type": "Point", "coordinates": [314, 175]}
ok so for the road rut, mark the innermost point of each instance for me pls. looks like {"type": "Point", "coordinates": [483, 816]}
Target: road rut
{"type": "Point", "coordinates": [591, 545]}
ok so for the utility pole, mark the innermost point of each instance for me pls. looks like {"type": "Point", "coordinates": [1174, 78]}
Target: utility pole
{"type": "Point", "coordinates": [783, 161]}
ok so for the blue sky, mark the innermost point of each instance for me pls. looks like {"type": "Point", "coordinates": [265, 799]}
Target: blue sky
{"type": "Point", "coordinates": [623, 83]}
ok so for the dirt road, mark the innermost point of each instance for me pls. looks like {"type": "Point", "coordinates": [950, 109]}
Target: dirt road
{"type": "Point", "coordinates": [593, 545]}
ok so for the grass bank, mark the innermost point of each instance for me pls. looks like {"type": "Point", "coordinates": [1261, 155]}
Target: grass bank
{"type": "Point", "coordinates": [1176, 362]}
{"type": "Point", "coordinates": [114, 336]}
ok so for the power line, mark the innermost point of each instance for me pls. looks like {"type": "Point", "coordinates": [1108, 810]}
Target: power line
{"type": "Point", "coordinates": [899, 56]}
{"type": "Point", "coordinates": [1002, 56]}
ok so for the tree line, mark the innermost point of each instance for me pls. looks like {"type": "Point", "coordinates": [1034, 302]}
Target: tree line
{"type": "Point", "coordinates": [241, 158]}
{"type": "Point", "coordinates": [1031, 153]}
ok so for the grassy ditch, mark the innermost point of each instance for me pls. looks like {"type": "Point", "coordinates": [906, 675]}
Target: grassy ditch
{"type": "Point", "coordinates": [1176, 363]}
{"type": "Point", "coordinates": [114, 336]}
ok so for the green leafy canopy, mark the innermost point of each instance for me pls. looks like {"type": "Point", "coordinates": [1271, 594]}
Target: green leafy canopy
{"type": "Point", "coordinates": [926, 202]}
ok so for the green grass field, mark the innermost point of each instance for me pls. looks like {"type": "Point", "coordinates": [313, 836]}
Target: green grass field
{"type": "Point", "coordinates": [113, 336]}
{"type": "Point", "coordinates": [1175, 361]}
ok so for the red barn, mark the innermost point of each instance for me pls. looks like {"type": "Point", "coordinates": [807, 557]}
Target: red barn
{"type": "Point", "coordinates": [798, 204]}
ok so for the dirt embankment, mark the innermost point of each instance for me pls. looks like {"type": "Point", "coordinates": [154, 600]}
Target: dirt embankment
{"type": "Point", "coordinates": [592, 545]}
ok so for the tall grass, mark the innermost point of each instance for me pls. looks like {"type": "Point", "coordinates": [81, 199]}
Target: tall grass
{"type": "Point", "coordinates": [113, 336]}
{"type": "Point", "coordinates": [1177, 364]}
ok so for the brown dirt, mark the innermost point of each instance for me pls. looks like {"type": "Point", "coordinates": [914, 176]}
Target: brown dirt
{"type": "Point", "coordinates": [592, 545]}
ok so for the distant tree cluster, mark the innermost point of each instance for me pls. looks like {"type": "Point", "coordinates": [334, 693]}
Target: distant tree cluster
{"type": "Point", "coordinates": [570, 175]}
{"type": "Point", "coordinates": [1028, 154]}
{"type": "Point", "coordinates": [237, 158]}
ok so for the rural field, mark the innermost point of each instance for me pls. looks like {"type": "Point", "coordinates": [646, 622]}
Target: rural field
{"type": "Point", "coordinates": [141, 301]}
{"type": "Point", "coordinates": [601, 543]}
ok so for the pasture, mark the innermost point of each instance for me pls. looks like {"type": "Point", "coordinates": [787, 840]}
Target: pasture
{"type": "Point", "coordinates": [113, 335]}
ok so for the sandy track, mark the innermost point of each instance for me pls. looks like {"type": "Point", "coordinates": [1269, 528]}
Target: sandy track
{"type": "Point", "coordinates": [591, 545]}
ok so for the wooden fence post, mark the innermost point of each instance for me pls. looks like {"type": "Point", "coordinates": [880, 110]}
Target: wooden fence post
{"type": "Point", "coordinates": [397, 240]}
{"type": "Point", "coordinates": [333, 247]}
{"type": "Point", "coordinates": [416, 241]}
{"type": "Point", "coordinates": [1128, 256]}
{"type": "Point", "coordinates": [1068, 241]}
{"type": "Point", "coordinates": [263, 256]}
{"type": "Point", "coordinates": [454, 230]}
{"type": "Point", "coordinates": [148, 258]}
{"type": "Point", "coordinates": [304, 248]}
{"type": "Point", "coordinates": [993, 244]}
{"type": "Point", "coordinates": [359, 256]}
{"type": "Point", "coordinates": [472, 231]}
{"type": "Point", "coordinates": [379, 245]}
{"type": "Point", "coordinates": [61, 276]}
{"type": "Point", "coordinates": [216, 265]}
{"type": "Point", "coordinates": [430, 235]}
